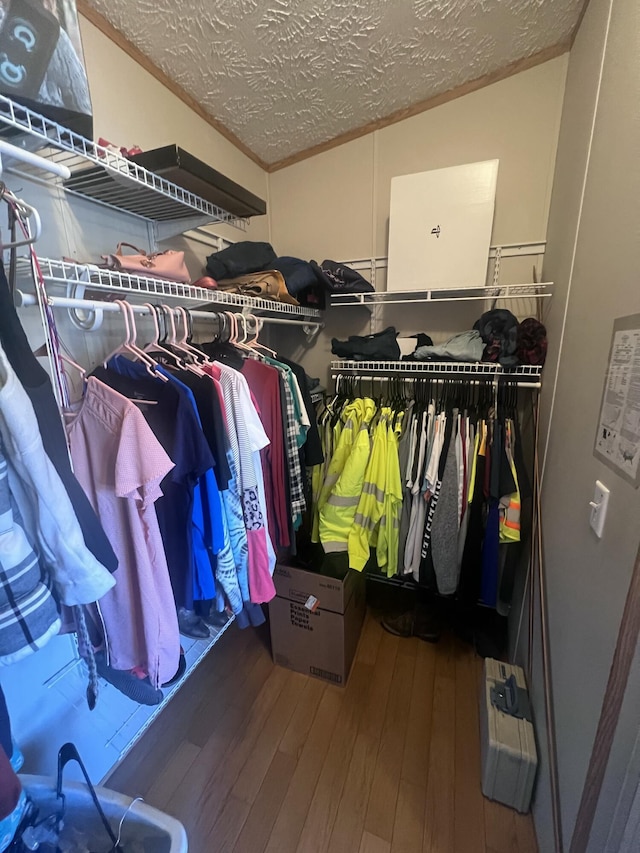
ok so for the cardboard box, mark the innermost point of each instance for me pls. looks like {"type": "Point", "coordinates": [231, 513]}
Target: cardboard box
{"type": "Point", "coordinates": [316, 622]}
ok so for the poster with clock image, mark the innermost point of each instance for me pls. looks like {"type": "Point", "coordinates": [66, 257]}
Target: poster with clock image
{"type": "Point", "coordinates": [42, 62]}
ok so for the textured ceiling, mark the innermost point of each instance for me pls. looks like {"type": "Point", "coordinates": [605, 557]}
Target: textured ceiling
{"type": "Point", "coordinates": [285, 75]}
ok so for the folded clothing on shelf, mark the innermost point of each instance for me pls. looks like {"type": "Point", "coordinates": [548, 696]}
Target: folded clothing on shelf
{"type": "Point", "coordinates": [382, 346]}
{"type": "Point", "coordinates": [499, 331]}
{"type": "Point", "coordinates": [249, 257]}
{"type": "Point", "coordinates": [467, 346]}
{"type": "Point", "coordinates": [302, 281]}
{"type": "Point", "coordinates": [339, 278]}
{"type": "Point", "coordinates": [532, 342]}
{"type": "Point", "coordinates": [241, 258]}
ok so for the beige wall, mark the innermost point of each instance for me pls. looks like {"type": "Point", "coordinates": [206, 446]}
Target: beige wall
{"type": "Point", "coordinates": [336, 205]}
{"type": "Point", "coordinates": [132, 108]}
{"type": "Point", "coordinates": [594, 257]}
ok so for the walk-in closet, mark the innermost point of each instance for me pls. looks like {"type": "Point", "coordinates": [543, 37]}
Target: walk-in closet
{"type": "Point", "coordinates": [319, 427]}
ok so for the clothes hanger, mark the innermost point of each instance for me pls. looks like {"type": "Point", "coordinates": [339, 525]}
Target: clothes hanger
{"type": "Point", "coordinates": [150, 363]}
{"type": "Point", "coordinates": [24, 212]}
{"type": "Point", "coordinates": [173, 342]}
{"type": "Point", "coordinates": [155, 345]}
{"type": "Point", "coordinates": [244, 327]}
{"type": "Point", "coordinates": [254, 341]}
{"type": "Point", "coordinates": [123, 348]}
{"type": "Point", "coordinates": [78, 367]}
{"type": "Point", "coordinates": [83, 377]}
{"type": "Point", "coordinates": [233, 318]}
{"type": "Point", "coordinates": [126, 347]}
{"type": "Point", "coordinates": [183, 341]}
{"type": "Point", "coordinates": [204, 358]}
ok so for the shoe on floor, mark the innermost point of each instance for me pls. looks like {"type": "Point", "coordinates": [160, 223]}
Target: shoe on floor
{"type": "Point", "coordinates": [427, 625]}
{"type": "Point", "coordinates": [191, 625]}
{"type": "Point", "coordinates": [139, 689]}
{"type": "Point", "coordinates": [215, 619]}
{"type": "Point", "coordinates": [182, 668]}
{"type": "Point", "coordinates": [401, 625]}
{"type": "Point", "coordinates": [419, 622]}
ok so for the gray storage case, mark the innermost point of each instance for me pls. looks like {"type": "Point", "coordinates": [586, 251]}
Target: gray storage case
{"type": "Point", "coordinates": [509, 757]}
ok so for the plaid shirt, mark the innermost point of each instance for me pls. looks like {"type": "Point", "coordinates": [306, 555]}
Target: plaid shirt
{"type": "Point", "coordinates": [28, 613]}
{"type": "Point", "coordinates": [296, 483]}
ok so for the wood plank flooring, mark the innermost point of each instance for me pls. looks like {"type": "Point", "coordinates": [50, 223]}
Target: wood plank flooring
{"type": "Point", "coordinates": [253, 758]}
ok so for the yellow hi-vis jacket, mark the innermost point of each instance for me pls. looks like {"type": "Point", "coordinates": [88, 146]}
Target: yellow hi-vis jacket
{"type": "Point", "coordinates": [343, 485]}
{"type": "Point", "coordinates": [371, 500]}
{"type": "Point", "coordinates": [389, 533]}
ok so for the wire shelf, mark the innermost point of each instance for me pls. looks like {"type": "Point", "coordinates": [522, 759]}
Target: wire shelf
{"type": "Point", "coordinates": [104, 175]}
{"type": "Point", "coordinates": [466, 294]}
{"type": "Point", "coordinates": [486, 371]}
{"type": "Point", "coordinates": [90, 277]}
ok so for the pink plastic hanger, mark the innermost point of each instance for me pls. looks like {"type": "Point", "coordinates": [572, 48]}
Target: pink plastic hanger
{"type": "Point", "coordinates": [233, 318]}
{"type": "Point", "coordinates": [155, 345]}
{"type": "Point", "coordinates": [150, 363]}
{"type": "Point", "coordinates": [173, 342]}
{"type": "Point", "coordinates": [254, 341]}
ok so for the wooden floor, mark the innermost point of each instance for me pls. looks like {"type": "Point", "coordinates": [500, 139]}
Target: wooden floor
{"type": "Point", "coordinates": [252, 757]}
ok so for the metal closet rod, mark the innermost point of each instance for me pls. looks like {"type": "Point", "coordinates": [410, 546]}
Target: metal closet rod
{"type": "Point", "coordinates": [28, 299]}
{"type": "Point", "coordinates": [449, 377]}
{"type": "Point", "coordinates": [31, 159]}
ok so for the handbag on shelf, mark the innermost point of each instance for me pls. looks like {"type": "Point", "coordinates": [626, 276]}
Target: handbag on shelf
{"type": "Point", "coordinates": [269, 284]}
{"type": "Point", "coordinates": [169, 264]}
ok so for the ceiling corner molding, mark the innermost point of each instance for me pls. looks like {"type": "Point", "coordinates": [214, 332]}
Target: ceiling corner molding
{"type": "Point", "coordinates": [576, 29]}
{"type": "Point", "coordinates": [437, 100]}
{"type": "Point", "coordinates": [100, 22]}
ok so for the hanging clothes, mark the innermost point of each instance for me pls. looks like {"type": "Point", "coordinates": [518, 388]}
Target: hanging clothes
{"type": "Point", "coordinates": [29, 615]}
{"type": "Point", "coordinates": [264, 382]}
{"type": "Point", "coordinates": [427, 488]}
{"type": "Point", "coordinates": [44, 505]}
{"type": "Point", "coordinates": [37, 385]}
{"type": "Point", "coordinates": [120, 464]}
{"type": "Point", "coordinates": [174, 424]}
{"type": "Point", "coordinates": [338, 512]}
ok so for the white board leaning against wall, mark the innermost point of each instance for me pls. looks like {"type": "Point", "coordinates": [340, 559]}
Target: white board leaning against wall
{"type": "Point", "coordinates": [440, 227]}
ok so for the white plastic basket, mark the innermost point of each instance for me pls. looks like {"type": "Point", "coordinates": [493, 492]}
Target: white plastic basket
{"type": "Point", "coordinates": [145, 829]}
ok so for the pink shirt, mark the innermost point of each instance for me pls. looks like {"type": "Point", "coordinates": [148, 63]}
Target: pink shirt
{"type": "Point", "coordinates": [120, 464]}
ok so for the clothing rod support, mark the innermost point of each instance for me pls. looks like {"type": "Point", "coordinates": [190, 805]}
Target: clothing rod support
{"type": "Point", "coordinates": [24, 156]}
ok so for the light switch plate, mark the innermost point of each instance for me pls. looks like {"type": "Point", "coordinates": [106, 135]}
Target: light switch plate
{"type": "Point", "coordinates": [599, 506]}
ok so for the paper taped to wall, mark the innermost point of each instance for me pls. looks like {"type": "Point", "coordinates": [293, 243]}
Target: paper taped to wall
{"type": "Point", "coordinates": [617, 441]}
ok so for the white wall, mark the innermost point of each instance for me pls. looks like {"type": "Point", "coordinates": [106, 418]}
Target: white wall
{"type": "Point", "coordinates": [336, 204]}
{"type": "Point", "coordinates": [594, 257]}
{"type": "Point", "coordinates": [131, 107]}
